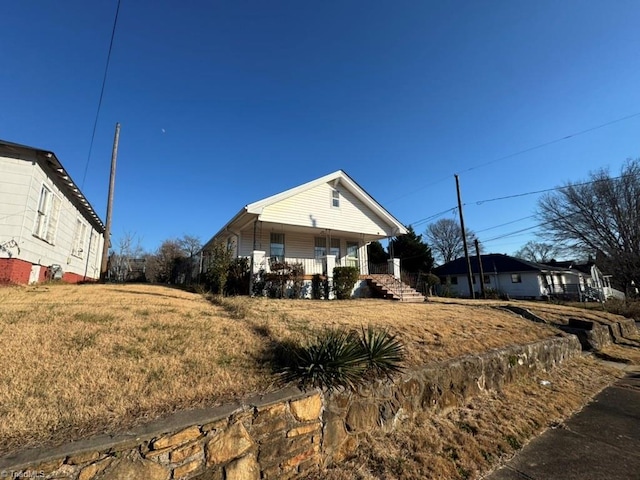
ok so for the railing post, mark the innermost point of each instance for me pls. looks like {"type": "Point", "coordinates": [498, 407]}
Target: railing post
{"type": "Point", "coordinates": [394, 267]}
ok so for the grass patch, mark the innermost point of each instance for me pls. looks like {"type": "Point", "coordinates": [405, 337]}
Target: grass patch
{"type": "Point", "coordinates": [93, 353]}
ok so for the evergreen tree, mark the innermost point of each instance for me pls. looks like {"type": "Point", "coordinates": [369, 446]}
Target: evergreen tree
{"type": "Point", "coordinates": [376, 253]}
{"type": "Point", "coordinates": [415, 255]}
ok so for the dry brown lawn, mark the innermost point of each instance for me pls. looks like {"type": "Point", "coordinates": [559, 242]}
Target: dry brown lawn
{"type": "Point", "coordinates": [556, 313]}
{"type": "Point", "coordinates": [468, 442]}
{"type": "Point", "coordinates": [85, 359]}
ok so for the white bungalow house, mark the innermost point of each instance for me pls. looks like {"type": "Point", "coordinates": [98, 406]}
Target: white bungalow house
{"type": "Point", "coordinates": [321, 224]}
{"type": "Point", "coordinates": [48, 229]}
{"type": "Point", "coordinates": [523, 279]}
{"type": "Point", "coordinates": [510, 276]}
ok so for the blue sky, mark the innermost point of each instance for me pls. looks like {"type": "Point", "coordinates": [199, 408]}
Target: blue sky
{"type": "Point", "coordinates": [225, 103]}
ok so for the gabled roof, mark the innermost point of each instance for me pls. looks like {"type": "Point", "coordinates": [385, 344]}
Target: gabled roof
{"type": "Point", "coordinates": [495, 262]}
{"type": "Point", "coordinates": [337, 177]}
{"type": "Point", "coordinates": [54, 169]}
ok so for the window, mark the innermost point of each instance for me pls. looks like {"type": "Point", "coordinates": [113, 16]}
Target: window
{"type": "Point", "coordinates": [454, 280]}
{"type": "Point", "coordinates": [335, 247]}
{"type": "Point", "coordinates": [320, 248]}
{"type": "Point", "coordinates": [516, 278]}
{"type": "Point", "coordinates": [79, 239]}
{"type": "Point", "coordinates": [352, 249]}
{"type": "Point", "coordinates": [335, 198]}
{"type": "Point", "coordinates": [47, 215]}
{"type": "Point", "coordinates": [486, 279]}
{"type": "Point", "coordinates": [277, 246]}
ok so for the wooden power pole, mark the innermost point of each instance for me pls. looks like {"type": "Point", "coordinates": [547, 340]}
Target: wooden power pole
{"type": "Point", "coordinates": [464, 241]}
{"type": "Point", "coordinates": [107, 230]}
{"type": "Point", "coordinates": [482, 290]}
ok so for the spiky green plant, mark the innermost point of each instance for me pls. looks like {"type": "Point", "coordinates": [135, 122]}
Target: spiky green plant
{"type": "Point", "coordinates": [340, 358]}
{"type": "Point", "coordinates": [334, 360]}
{"type": "Point", "coordinates": [384, 352]}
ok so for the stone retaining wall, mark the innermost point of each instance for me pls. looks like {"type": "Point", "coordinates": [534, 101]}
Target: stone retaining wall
{"type": "Point", "coordinates": [286, 433]}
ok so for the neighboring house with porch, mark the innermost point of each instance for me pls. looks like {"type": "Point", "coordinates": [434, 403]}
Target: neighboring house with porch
{"type": "Point", "coordinates": [48, 229]}
{"type": "Point", "coordinates": [512, 276]}
{"type": "Point", "coordinates": [322, 224]}
{"type": "Point", "coordinates": [597, 285]}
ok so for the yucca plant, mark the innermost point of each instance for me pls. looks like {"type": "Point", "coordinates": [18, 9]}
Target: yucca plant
{"type": "Point", "coordinates": [341, 358]}
{"type": "Point", "coordinates": [384, 352]}
{"type": "Point", "coordinates": [334, 360]}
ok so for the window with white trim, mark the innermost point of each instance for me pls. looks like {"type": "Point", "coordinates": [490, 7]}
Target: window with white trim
{"type": "Point", "coordinates": [516, 278]}
{"type": "Point", "coordinates": [320, 248]}
{"type": "Point", "coordinates": [79, 239]}
{"type": "Point", "coordinates": [276, 246]}
{"type": "Point", "coordinates": [335, 198]}
{"type": "Point", "coordinates": [47, 215]}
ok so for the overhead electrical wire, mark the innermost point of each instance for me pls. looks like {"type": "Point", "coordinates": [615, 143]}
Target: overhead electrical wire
{"type": "Point", "coordinates": [520, 152]}
{"type": "Point", "coordinates": [516, 195]}
{"type": "Point", "coordinates": [104, 82]}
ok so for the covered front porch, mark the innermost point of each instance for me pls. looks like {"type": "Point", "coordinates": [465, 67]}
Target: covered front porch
{"type": "Point", "coordinates": [317, 250]}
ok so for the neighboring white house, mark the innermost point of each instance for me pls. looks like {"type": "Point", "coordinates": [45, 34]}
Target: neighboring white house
{"type": "Point", "coordinates": [321, 224]}
{"type": "Point", "coordinates": [512, 276]}
{"type": "Point", "coordinates": [48, 229]}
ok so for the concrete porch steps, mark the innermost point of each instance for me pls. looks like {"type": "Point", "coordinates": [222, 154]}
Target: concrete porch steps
{"type": "Point", "coordinates": [393, 289]}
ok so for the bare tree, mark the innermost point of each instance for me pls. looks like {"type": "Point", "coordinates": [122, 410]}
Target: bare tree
{"type": "Point", "coordinates": [120, 262]}
{"type": "Point", "coordinates": [602, 218]}
{"type": "Point", "coordinates": [190, 245]}
{"type": "Point", "coordinates": [162, 267]}
{"type": "Point", "coordinates": [539, 252]}
{"type": "Point", "coordinates": [445, 239]}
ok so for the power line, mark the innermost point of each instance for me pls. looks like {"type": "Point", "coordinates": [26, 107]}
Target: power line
{"type": "Point", "coordinates": [504, 224]}
{"type": "Point", "coordinates": [104, 82]}
{"type": "Point", "coordinates": [526, 150]}
{"type": "Point", "coordinates": [516, 232]}
{"type": "Point", "coordinates": [434, 216]}
{"type": "Point", "coordinates": [480, 202]}
{"type": "Point", "coordinates": [546, 144]}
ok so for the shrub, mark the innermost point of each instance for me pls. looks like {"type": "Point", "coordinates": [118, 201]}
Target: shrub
{"type": "Point", "coordinates": [217, 261]}
{"type": "Point", "coordinates": [344, 279]}
{"type": "Point", "coordinates": [341, 359]}
{"type": "Point", "coordinates": [282, 276]}
{"type": "Point", "coordinates": [238, 277]}
{"type": "Point", "coordinates": [317, 287]}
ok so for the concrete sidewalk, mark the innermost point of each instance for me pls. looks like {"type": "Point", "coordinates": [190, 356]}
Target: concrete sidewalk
{"type": "Point", "coordinates": [601, 442]}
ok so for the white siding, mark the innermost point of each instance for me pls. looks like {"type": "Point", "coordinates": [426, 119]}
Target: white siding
{"type": "Point", "coordinates": [20, 187]}
{"type": "Point", "coordinates": [528, 287]}
{"type": "Point", "coordinates": [313, 208]}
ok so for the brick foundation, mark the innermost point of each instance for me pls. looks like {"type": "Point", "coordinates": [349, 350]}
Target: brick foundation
{"type": "Point", "coordinates": [14, 270]}
{"type": "Point", "coordinates": [68, 277]}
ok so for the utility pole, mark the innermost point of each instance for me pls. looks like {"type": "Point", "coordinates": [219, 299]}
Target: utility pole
{"type": "Point", "coordinates": [107, 230]}
{"type": "Point", "coordinates": [464, 240]}
{"type": "Point", "coordinates": [482, 291]}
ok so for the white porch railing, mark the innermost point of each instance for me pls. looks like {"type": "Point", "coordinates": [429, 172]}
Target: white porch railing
{"type": "Point", "coordinates": [311, 266]}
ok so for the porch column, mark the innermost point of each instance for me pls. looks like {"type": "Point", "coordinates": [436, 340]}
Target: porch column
{"type": "Point", "coordinates": [363, 259]}
{"type": "Point", "coordinates": [257, 263]}
{"type": "Point", "coordinates": [394, 267]}
{"type": "Point", "coordinates": [330, 262]}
